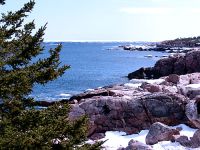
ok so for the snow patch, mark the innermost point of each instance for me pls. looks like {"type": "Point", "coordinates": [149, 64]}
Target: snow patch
{"type": "Point", "coordinates": [116, 139]}
{"type": "Point", "coordinates": [193, 87]}
{"type": "Point", "coordinates": [190, 87]}
{"type": "Point", "coordinates": [154, 81]}
{"type": "Point", "coordinates": [132, 85]}
{"type": "Point", "coordinates": [187, 131]}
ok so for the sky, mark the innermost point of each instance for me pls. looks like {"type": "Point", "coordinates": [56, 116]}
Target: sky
{"type": "Point", "coordinates": [114, 20]}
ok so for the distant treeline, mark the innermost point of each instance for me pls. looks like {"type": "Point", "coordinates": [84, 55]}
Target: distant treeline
{"type": "Point", "coordinates": [181, 42]}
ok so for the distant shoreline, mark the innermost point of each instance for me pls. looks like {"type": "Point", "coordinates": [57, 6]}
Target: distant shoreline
{"type": "Point", "coordinates": [101, 42]}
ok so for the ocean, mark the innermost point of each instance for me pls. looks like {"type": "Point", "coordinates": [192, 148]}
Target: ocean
{"type": "Point", "coordinates": [93, 65]}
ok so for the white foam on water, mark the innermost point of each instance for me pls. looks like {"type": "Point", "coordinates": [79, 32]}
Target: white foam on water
{"type": "Point", "coordinates": [148, 56]}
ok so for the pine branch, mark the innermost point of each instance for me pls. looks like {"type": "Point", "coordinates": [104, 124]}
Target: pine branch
{"type": "Point", "coordinates": [2, 2]}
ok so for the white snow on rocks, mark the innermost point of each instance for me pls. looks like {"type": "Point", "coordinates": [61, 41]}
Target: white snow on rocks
{"type": "Point", "coordinates": [192, 87]}
{"type": "Point", "coordinates": [153, 81]}
{"type": "Point", "coordinates": [116, 139]}
{"type": "Point", "coordinates": [132, 85]}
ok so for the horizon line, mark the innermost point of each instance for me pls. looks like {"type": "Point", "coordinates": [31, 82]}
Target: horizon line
{"type": "Point", "coordinates": [97, 41]}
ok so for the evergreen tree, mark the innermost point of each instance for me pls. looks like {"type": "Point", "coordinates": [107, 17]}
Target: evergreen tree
{"type": "Point", "coordinates": [22, 126]}
{"type": "Point", "coordinates": [2, 2]}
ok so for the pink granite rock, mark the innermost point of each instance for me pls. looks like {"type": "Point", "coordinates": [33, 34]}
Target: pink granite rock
{"type": "Point", "coordinates": [160, 132]}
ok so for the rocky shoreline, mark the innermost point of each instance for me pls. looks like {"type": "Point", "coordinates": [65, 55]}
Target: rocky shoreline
{"type": "Point", "coordinates": [135, 106]}
{"type": "Point", "coordinates": [180, 45]}
{"type": "Point", "coordinates": [170, 99]}
{"type": "Point", "coordinates": [158, 47]}
{"type": "Point", "coordinates": [179, 64]}
{"type": "Point", "coordinates": [154, 98]}
{"type": "Point", "coordinates": [131, 108]}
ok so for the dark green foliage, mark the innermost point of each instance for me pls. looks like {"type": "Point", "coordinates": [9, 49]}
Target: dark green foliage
{"type": "Point", "coordinates": [2, 2]}
{"type": "Point", "coordinates": [21, 125]}
{"type": "Point", "coordinates": [183, 42]}
{"type": "Point", "coordinates": [46, 129]}
{"type": "Point", "coordinates": [18, 45]}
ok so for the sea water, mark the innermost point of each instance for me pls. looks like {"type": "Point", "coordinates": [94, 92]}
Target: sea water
{"type": "Point", "coordinates": [93, 65]}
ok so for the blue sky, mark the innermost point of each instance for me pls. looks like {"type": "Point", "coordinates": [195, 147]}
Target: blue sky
{"type": "Point", "coordinates": [115, 20]}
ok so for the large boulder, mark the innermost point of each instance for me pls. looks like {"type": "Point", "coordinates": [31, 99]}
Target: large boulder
{"type": "Point", "coordinates": [135, 106]}
{"type": "Point", "coordinates": [177, 64]}
{"type": "Point", "coordinates": [182, 139]}
{"type": "Point", "coordinates": [195, 140]}
{"type": "Point", "coordinates": [180, 66]}
{"type": "Point", "coordinates": [121, 113]}
{"type": "Point", "coordinates": [173, 78]}
{"type": "Point", "coordinates": [165, 66]}
{"type": "Point", "coordinates": [193, 111]}
{"type": "Point", "coordinates": [160, 132]}
{"type": "Point", "coordinates": [193, 61]}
